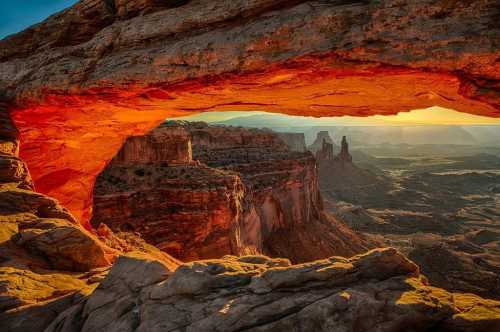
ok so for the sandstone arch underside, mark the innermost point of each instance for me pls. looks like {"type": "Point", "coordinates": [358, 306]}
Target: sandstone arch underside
{"type": "Point", "coordinates": [81, 82]}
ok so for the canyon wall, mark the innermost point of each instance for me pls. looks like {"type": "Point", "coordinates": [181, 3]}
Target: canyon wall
{"type": "Point", "coordinates": [129, 65]}
{"type": "Point", "coordinates": [317, 145]}
{"type": "Point", "coordinates": [80, 83]}
{"type": "Point", "coordinates": [48, 261]}
{"type": "Point", "coordinates": [172, 147]}
{"type": "Point", "coordinates": [56, 276]}
{"type": "Point", "coordinates": [244, 192]}
{"type": "Point", "coordinates": [181, 206]}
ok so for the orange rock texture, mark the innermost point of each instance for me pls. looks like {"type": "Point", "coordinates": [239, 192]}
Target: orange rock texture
{"type": "Point", "coordinates": [225, 190]}
{"type": "Point", "coordinates": [76, 94]}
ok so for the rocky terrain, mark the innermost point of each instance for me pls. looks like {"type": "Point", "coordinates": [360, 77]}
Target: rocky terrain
{"type": "Point", "coordinates": [378, 291]}
{"type": "Point", "coordinates": [341, 180]}
{"type": "Point", "coordinates": [80, 83]}
{"type": "Point", "coordinates": [436, 210]}
{"type": "Point", "coordinates": [138, 62]}
{"type": "Point", "coordinates": [322, 137]}
{"type": "Point", "coordinates": [55, 276]}
{"type": "Point", "coordinates": [230, 191]}
{"type": "Point", "coordinates": [48, 261]}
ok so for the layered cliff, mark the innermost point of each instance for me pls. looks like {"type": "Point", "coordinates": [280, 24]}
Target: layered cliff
{"type": "Point", "coordinates": [283, 210]}
{"type": "Point", "coordinates": [241, 191]}
{"type": "Point", "coordinates": [322, 137]}
{"type": "Point", "coordinates": [48, 261]}
{"type": "Point", "coordinates": [101, 71]}
{"type": "Point", "coordinates": [54, 277]}
{"type": "Point", "coordinates": [81, 82]}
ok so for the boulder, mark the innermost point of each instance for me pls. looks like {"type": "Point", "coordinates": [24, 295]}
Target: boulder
{"type": "Point", "coordinates": [378, 291]}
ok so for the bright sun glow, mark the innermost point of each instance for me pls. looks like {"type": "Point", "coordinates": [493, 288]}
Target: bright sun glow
{"type": "Point", "coordinates": [429, 116]}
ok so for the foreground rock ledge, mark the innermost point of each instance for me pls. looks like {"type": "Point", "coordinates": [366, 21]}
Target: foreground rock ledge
{"type": "Point", "coordinates": [377, 291]}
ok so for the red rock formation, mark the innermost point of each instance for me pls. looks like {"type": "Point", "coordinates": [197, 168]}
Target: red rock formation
{"type": "Point", "coordinates": [344, 157]}
{"type": "Point", "coordinates": [130, 65]}
{"type": "Point", "coordinates": [81, 82]}
{"type": "Point", "coordinates": [172, 147]}
{"type": "Point", "coordinates": [322, 137]}
{"type": "Point", "coordinates": [113, 41]}
{"type": "Point", "coordinates": [249, 195]}
{"type": "Point", "coordinates": [48, 261]}
{"type": "Point", "coordinates": [40, 241]}
{"type": "Point", "coordinates": [326, 151]}
{"type": "Point", "coordinates": [188, 211]}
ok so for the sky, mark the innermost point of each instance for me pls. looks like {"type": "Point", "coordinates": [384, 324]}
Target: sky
{"type": "Point", "coordinates": [18, 15]}
{"type": "Point", "coordinates": [429, 116]}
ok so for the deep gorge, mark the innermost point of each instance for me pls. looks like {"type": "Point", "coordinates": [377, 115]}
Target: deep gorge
{"type": "Point", "coordinates": [70, 98]}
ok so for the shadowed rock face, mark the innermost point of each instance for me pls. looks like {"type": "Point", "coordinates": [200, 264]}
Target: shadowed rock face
{"type": "Point", "coordinates": [322, 138]}
{"type": "Point", "coordinates": [39, 290]}
{"type": "Point", "coordinates": [48, 261]}
{"type": "Point", "coordinates": [241, 191]}
{"type": "Point", "coordinates": [72, 88]}
{"type": "Point", "coordinates": [104, 70]}
{"type": "Point", "coordinates": [378, 291]}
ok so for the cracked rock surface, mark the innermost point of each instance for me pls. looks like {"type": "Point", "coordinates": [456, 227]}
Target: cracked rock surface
{"type": "Point", "coordinates": [380, 290]}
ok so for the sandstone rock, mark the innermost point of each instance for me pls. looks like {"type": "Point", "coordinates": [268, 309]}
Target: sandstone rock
{"type": "Point", "coordinates": [171, 147]}
{"type": "Point", "coordinates": [283, 215]}
{"type": "Point", "coordinates": [34, 251]}
{"type": "Point", "coordinates": [380, 36]}
{"type": "Point", "coordinates": [69, 89]}
{"type": "Point", "coordinates": [458, 265]}
{"type": "Point", "coordinates": [341, 180]}
{"type": "Point", "coordinates": [250, 194]}
{"type": "Point", "coordinates": [325, 153]}
{"type": "Point", "coordinates": [48, 262]}
{"type": "Point", "coordinates": [190, 212]}
{"type": "Point", "coordinates": [377, 291]}
{"type": "Point", "coordinates": [16, 201]}
{"type": "Point", "coordinates": [32, 292]}
{"type": "Point", "coordinates": [317, 145]}
{"type": "Point", "coordinates": [80, 78]}
{"type": "Point", "coordinates": [127, 9]}
{"type": "Point", "coordinates": [13, 170]}
{"type": "Point", "coordinates": [344, 156]}
{"type": "Point", "coordinates": [114, 304]}
{"type": "Point", "coordinates": [66, 245]}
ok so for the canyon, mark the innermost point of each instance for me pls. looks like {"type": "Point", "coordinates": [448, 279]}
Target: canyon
{"type": "Point", "coordinates": [455, 242]}
{"type": "Point", "coordinates": [200, 191]}
{"type": "Point", "coordinates": [57, 276]}
{"type": "Point", "coordinates": [135, 65]}
{"type": "Point", "coordinates": [76, 92]}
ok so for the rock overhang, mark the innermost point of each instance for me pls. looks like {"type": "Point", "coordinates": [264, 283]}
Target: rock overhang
{"type": "Point", "coordinates": [76, 99]}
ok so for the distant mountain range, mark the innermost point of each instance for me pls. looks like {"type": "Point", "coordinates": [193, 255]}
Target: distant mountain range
{"type": "Point", "coordinates": [380, 133]}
